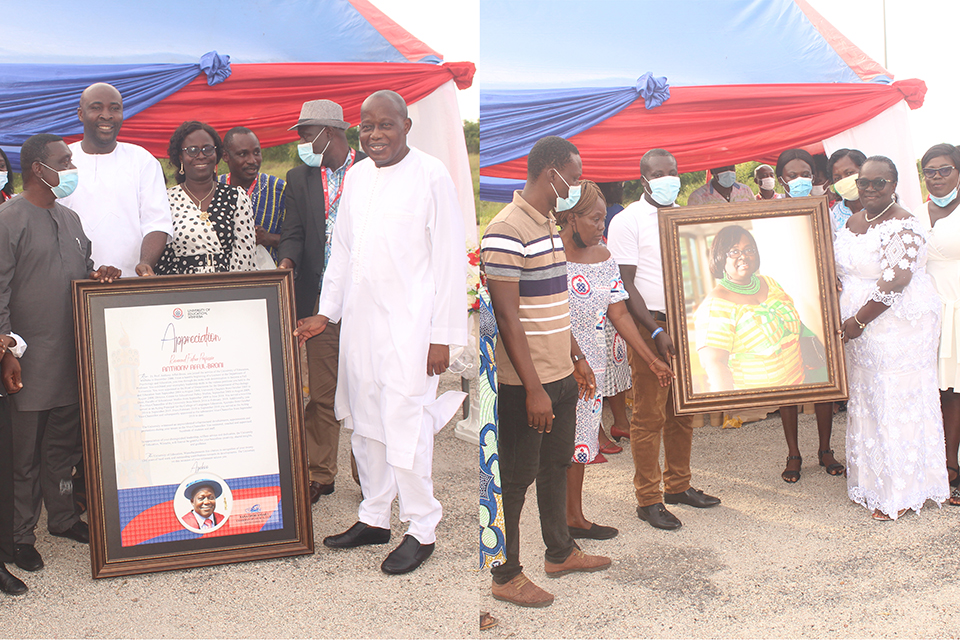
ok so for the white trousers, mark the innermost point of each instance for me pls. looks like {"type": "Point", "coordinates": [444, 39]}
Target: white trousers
{"type": "Point", "coordinates": [381, 483]}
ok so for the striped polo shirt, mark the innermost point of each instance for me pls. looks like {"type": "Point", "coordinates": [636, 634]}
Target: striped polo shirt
{"type": "Point", "coordinates": [522, 245]}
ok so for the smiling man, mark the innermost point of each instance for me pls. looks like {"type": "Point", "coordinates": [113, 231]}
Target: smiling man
{"type": "Point", "coordinates": [241, 152]}
{"type": "Point", "coordinates": [121, 198]}
{"type": "Point", "coordinates": [397, 278]}
{"type": "Point", "coordinates": [203, 498]}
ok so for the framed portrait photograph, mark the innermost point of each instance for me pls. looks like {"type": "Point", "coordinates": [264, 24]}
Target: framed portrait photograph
{"type": "Point", "coordinates": [192, 421]}
{"type": "Point", "coordinates": [752, 302]}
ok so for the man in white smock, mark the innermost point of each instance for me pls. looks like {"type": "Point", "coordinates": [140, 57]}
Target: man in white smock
{"type": "Point", "coordinates": [121, 197]}
{"type": "Point", "coordinates": [397, 280]}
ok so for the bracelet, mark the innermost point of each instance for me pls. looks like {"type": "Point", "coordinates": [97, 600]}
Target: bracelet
{"type": "Point", "coordinates": [857, 320]}
{"type": "Point", "coordinates": [654, 335]}
{"type": "Point", "coordinates": [577, 359]}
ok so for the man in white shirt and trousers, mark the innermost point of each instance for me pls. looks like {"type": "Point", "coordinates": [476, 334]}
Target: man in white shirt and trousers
{"type": "Point", "coordinates": [121, 198]}
{"type": "Point", "coordinates": [397, 280]}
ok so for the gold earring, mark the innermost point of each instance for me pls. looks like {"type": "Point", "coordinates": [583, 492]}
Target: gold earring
{"type": "Point", "coordinates": [181, 168]}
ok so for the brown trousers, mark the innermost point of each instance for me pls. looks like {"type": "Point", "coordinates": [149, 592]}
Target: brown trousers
{"type": "Point", "coordinates": [653, 419]}
{"type": "Point", "coordinates": [321, 425]}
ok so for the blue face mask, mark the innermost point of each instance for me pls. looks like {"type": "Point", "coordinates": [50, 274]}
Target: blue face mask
{"type": "Point", "coordinates": [664, 190]}
{"type": "Point", "coordinates": [573, 196]}
{"type": "Point", "coordinates": [305, 151]}
{"type": "Point", "coordinates": [726, 178]}
{"type": "Point", "coordinates": [3, 179]}
{"type": "Point", "coordinates": [68, 182]}
{"type": "Point", "coordinates": [945, 200]}
{"type": "Point", "coordinates": [800, 187]}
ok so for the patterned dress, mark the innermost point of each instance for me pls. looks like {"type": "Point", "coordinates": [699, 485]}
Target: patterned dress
{"type": "Point", "coordinates": [763, 339]}
{"type": "Point", "coordinates": [218, 240]}
{"type": "Point", "coordinates": [617, 376]}
{"type": "Point", "coordinates": [593, 288]}
{"type": "Point", "coordinates": [894, 425]}
{"type": "Point", "coordinates": [492, 540]}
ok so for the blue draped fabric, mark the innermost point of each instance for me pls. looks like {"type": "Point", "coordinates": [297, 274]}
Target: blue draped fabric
{"type": "Point", "coordinates": [498, 189]}
{"type": "Point", "coordinates": [216, 66]}
{"type": "Point", "coordinates": [45, 97]}
{"type": "Point", "coordinates": [512, 121]}
{"type": "Point", "coordinates": [655, 91]}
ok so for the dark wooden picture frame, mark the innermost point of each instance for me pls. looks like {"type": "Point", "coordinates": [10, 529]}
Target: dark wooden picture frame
{"type": "Point", "coordinates": [133, 528]}
{"type": "Point", "coordinates": [795, 247]}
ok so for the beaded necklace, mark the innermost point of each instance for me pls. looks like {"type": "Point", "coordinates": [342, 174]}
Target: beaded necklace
{"type": "Point", "coordinates": [743, 289]}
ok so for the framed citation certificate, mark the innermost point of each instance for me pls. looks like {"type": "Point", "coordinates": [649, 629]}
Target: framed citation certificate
{"type": "Point", "coordinates": [192, 421]}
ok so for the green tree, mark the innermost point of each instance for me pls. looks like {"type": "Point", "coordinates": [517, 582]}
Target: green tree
{"type": "Point", "coordinates": [471, 133]}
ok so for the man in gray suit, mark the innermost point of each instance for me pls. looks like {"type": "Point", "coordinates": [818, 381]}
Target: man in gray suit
{"type": "Point", "coordinates": [43, 248]}
{"type": "Point", "coordinates": [312, 198]}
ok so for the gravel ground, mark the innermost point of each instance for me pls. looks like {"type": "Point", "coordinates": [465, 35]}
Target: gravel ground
{"type": "Point", "coordinates": [331, 594]}
{"type": "Point", "coordinates": [772, 561]}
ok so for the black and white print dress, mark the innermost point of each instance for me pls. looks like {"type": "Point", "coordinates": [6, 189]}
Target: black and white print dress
{"type": "Point", "coordinates": [215, 241]}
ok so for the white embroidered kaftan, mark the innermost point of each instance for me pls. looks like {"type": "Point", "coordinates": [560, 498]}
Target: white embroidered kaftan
{"type": "Point", "coordinates": [894, 427]}
{"type": "Point", "coordinates": [397, 282]}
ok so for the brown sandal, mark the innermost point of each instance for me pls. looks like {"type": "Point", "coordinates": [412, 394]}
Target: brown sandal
{"type": "Point", "coordinates": [487, 621]}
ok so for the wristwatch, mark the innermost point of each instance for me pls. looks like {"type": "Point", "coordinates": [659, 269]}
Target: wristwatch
{"type": "Point", "coordinates": [577, 359]}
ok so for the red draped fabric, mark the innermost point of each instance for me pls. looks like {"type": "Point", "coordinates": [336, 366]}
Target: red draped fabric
{"type": "Point", "coordinates": [714, 126]}
{"type": "Point", "coordinates": [267, 97]}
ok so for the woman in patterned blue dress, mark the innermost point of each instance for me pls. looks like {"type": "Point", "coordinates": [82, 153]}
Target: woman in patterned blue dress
{"type": "Point", "coordinates": [596, 294]}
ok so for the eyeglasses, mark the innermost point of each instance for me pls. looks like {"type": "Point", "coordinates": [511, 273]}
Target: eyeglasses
{"type": "Point", "coordinates": [877, 183]}
{"type": "Point", "coordinates": [207, 150]}
{"type": "Point", "coordinates": [736, 253]}
{"type": "Point", "coordinates": [943, 171]}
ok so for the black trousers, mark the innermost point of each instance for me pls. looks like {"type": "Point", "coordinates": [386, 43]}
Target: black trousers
{"type": "Point", "coordinates": [6, 482]}
{"type": "Point", "coordinates": [526, 455]}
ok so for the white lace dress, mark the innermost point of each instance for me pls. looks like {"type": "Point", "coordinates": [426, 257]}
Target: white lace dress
{"type": "Point", "coordinates": [895, 448]}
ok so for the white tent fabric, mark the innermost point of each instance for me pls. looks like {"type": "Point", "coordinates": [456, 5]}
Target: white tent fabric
{"type": "Point", "coordinates": [887, 134]}
{"type": "Point", "coordinates": [438, 130]}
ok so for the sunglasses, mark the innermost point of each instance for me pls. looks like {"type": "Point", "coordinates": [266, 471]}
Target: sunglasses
{"type": "Point", "coordinates": [943, 171]}
{"type": "Point", "coordinates": [878, 183]}
{"type": "Point", "coordinates": [207, 150]}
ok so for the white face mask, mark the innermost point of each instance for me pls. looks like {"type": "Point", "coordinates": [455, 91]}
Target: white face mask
{"type": "Point", "coordinates": [818, 190]}
{"type": "Point", "coordinates": [767, 184]}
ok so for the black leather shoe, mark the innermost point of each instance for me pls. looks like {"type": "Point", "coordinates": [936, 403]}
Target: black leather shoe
{"type": "Point", "coordinates": [79, 531]}
{"type": "Point", "coordinates": [317, 490]}
{"type": "Point", "coordinates": [658, 516]}
{"type": "Point", "coordinates": [10, 583]}
{"type": "Point", "coordinates": [406, 557]}
{"type": "Point", "coordinates": [692, 497]}
{"type": "Point", "coordinates": [357, 536]}
{"type": "Point", "coordinates": [26, 557]}
{"type": "Point", "coordinates": [595, 532]}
